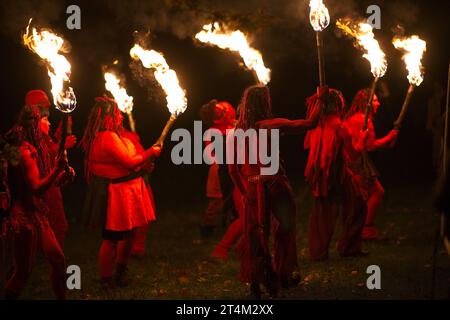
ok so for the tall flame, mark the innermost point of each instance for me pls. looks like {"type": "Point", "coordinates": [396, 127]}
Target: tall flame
{"type": "Point", "coordinates": [48, 46]}
{"type": "Point", "coordinates": [366, 39]}
{"type": "Point", "coordinates": [318, 16]}
{"type": "Point", "coordinates": [166, 77]}
{"type": "Point", "coordinates": [414, 48]}
{"type": "Point", "coordinates": [235, 41]}
{"type": "Point", "coordinates": [124, 101]}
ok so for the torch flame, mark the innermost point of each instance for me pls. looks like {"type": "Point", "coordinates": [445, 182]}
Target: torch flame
{"type": "Point", "coordinates": [366, 39]}
{"type": "Point", "coordinates": [318, 16]}
{"type": "Point", "coordinates": [47, 46]}
{"type": "Point", "coordinates": [414, 48]}
{"type": "Point", "coordinates": [124, 101]}
{"type": "Point", "coordinates": [166, 77]}
{"type": "Point", "coordinates": [236, 41]}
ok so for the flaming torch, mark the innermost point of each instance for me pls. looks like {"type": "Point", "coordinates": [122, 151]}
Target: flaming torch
{"type": "Point", "coordinates": [124, 101]}
{"type": "Point", "coordinates": [167, 78]}
{"type": "Point", "coordinates": [320, 19]}
{"type": "Point", "coordinates": [366, 40]}
{"type": "Point", "coordinates": [236, 41]}
{"type": "Point", "coordinates": [414, 48]}
{"type": "Point", "coordinates": [48, 46]}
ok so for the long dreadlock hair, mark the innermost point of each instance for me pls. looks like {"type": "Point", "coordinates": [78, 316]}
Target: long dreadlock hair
{"type": "Point", "coordinates": [27, 130]}
{"type": "Point", "coordinates": [104, 116]}
{"type": "Point", "coordinates": [335, 103]}
{"type": "Point", "coordinates": [255, 106]}
{"type": "Point", "coordinates": [359, 103]}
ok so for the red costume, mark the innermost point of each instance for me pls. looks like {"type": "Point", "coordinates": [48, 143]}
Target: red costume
{"type": "Point", "coordinates": [53, 196]}
{"type": "Point", "coordinates": [325, 174]}
{"type": "Point", "coordinates": [141, 234]}
{"type": "Point", "coordinates": [363, 173]}
{"type": "Point", "coordinates": [118, 199]}
{"type": "Point", "coordinates": [27, 227]}
{"type": "Point", "coordinates": [267, 200]}
{"type": "Point", "coordinates": [219, 188]}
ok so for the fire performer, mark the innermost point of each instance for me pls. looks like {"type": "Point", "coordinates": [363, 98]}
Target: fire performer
{"type": "Point", "coordinates": [323, 170]}
{"type": "Point", "coordinates": [53, 196]}
{"type": "Point", "coordinates": [264, 195]}
{"type": "Point", "coordinates": [27, 227]}
{"type": "Point", "coordinates": [117, 199]}
{"type": "Point", "coordinates": [219, 187]}
{"type": "Point", "coordinates": [125, 104]}
{"type": "Point", "coordinates": [363, 173]}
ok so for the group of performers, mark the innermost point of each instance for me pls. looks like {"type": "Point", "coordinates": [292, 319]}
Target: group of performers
{"type": "Point", "coordinates": [342, 179]}
{"type": "Point", "coordinates": [119, 199]}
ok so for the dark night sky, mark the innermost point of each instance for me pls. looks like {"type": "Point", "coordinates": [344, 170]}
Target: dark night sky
{"type": "Point", "coordinates": [287, 43]}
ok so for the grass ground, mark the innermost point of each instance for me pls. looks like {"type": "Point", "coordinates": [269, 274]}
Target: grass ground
{"type": "Point", "coordinates": [177, 264]}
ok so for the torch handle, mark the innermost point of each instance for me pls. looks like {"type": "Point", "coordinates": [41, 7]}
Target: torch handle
{"type": "Point", "coordinates": [165, 131]}
{"type": "Point", "coordinates": [401, 116]}
{"type": "Point", "coordinates": [64, 128]}
{"type": "Point", "coordinates": [369, 103]}
{"type": "Point", "coordinates": [62, 142]}
{"type": "Point", "coordinates": [132, 122]}
{"type": "Point", "coordinates": [320, 59]}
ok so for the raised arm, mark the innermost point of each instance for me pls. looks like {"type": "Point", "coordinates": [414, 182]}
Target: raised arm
{"type": "Point", "coordinates": [119, 152]}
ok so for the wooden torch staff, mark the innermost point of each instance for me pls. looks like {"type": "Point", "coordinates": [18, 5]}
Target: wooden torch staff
{"type": "Point", "coordinates": [165, 132]}
{"type": "Point", "coordinates": [131, 121]}
{"type": "Point", "coordinates": [369, 104]}
{"type": "Point", "coordinates": [320, 59]}
{"type": "Point", "coordinates": [398, 122]}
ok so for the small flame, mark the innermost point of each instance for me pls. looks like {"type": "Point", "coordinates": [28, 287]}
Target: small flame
{"type": "Point", "coordinates": [318, 16]}
{"type": "Point", "coordinates": [414, 48]}
{"type": "Point", "coordinates": [235, 41]}
{"type": "Point", "coordinates": [47, 46]}
{"type": "Point", "coordinates": [124, 101]}
{"type": "Point", "coordinates": [166, 77]}
{"type": "Point", "coordinates": [366, 39]}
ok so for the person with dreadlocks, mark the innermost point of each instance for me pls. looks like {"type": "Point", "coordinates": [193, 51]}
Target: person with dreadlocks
{"type": "Point", "coordinates": [323, 168]}
{"type": "Point", "coordinates": [27, 227]}
{"type": "Point", "coordinates": [53, 196]}
{"type": "Point", "coordinates": [265, 196]}
{"type": "Point", "coordinates": [117, 198]}
{"type": "Point", "coordinates": [361, 169]}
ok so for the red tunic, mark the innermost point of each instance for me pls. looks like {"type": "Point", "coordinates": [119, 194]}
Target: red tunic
{"type": "Point", "coordinates": [129, 203]}
{"type": "Point", "coordinates": [324, 144]}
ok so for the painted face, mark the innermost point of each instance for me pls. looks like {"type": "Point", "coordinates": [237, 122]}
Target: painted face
{"type": "Point", "coordinates": [44, 125]}
{"type": "Point", "coordinates": [375, 103]}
